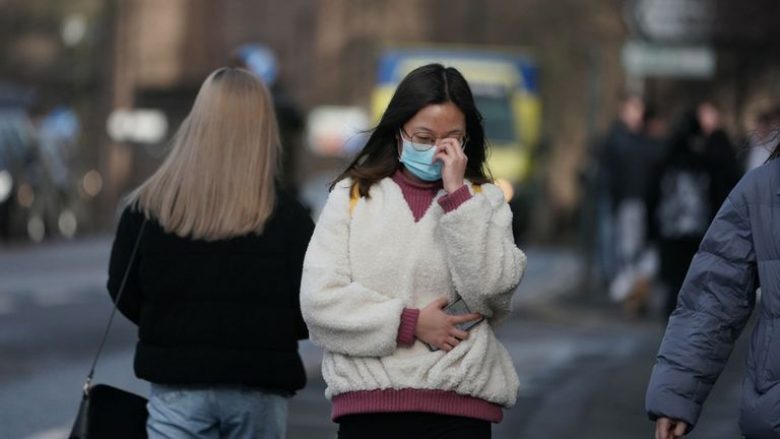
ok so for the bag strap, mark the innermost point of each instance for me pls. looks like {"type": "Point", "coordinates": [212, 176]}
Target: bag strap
{"type": "Point", "coordinates": [88, 382]}
{"type": "Point", "coordinates": [354, 195]}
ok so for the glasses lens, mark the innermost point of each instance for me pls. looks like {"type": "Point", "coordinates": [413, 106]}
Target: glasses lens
{"type": "Point", "coordinates": [422, 142]}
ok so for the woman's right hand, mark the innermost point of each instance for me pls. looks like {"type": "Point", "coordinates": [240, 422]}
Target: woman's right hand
{"type": "Point", "coordinates": [438, 329]}
{"type": "Point", "coordinates": [667, 428]}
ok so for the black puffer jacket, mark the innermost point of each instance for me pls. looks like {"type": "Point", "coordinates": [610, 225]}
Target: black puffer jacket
{"type": "Point", "coordinates": [218, 312]}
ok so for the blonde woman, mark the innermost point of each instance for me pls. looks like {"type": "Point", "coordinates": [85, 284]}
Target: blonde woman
{"type": "Point", "coordinates": [214, 285]}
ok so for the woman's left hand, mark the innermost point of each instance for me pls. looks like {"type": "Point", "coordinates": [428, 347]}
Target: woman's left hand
{"type": "Point", "coordinates": [454, 160]}
{"type": "Point", "coordinates": [667, 428]}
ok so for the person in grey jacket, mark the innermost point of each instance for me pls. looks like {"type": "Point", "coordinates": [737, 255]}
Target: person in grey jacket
{"type": "Point", "coordinates": [739, 252]}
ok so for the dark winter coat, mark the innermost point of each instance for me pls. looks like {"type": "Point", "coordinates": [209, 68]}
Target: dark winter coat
{"type": "Point", "coordinates": [216, 312]}
{"type": "Point", "coordinates": [685, 190]}
{"type": "Point", "coordinates": [626, 159]}
{"type": "Point", "coordinates": [740, 251]}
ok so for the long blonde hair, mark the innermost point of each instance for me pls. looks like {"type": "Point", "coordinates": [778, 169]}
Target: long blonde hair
{"type": "Point", "coordinates": [218, 179]}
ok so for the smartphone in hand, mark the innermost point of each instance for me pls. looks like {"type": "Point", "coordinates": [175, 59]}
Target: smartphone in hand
{"type": "Point", "coordinates": [457, 308]}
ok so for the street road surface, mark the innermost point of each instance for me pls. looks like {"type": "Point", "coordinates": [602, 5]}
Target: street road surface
{"type": "Point", "coordinates": [583, 369]}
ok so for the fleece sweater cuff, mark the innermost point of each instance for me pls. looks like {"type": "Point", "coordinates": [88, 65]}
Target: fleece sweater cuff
{"type": "Point", "coordinates": [409, 318]}
{"type": "Point", "coordinates": [452, 201]}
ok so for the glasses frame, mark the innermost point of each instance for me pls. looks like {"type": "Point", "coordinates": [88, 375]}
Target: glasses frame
{"type": "Point", "coordinates": [404, 135]}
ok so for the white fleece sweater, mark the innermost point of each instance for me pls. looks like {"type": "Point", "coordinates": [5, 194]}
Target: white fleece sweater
{"type": "Point", "coordinates": [362, 269]}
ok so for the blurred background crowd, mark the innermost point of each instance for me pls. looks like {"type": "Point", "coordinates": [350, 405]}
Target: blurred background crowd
{"type": "Point", "coordinates": [90, 90]}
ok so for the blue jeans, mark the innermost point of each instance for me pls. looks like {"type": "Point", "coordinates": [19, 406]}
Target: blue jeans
{"type": "Point", "coordinates": [178, 412]}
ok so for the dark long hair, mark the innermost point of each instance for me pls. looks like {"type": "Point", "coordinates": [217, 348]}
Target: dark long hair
{"type": "Point", "coordinates": [426, 85]}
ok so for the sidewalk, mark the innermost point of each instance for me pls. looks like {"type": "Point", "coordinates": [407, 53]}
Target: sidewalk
{"type": "Point", "coordinates": [583, 368]}
{"type": "Point", "coordinates": [603, 398]}
{"type": "Point", "coordinates": [621, 414]}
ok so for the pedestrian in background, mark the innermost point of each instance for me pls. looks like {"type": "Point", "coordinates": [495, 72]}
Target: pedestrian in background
{"type": "Point", "coordinates": [412, 225]}
{"type": "Point", "coordinates": [718, 147]}
{"type": "Point", "coordinates": [686, 188]}
{"type": "Point", "coordinates": [214, 288]}
{"type": "Point", "coordinates": [739, 252]}
{"type": "Point", "coordinates": [627, 158]}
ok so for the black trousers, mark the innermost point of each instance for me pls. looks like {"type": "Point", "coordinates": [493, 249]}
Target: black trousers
{"type": "Point", "coordinates": [411, 426]}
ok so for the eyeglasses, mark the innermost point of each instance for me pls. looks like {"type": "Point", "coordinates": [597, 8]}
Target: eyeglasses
{"type": "Point", "coordinates": [425, 141]}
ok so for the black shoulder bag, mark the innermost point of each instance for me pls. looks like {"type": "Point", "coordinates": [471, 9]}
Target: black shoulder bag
{"type": "Point", "coordinates": [105, 411]}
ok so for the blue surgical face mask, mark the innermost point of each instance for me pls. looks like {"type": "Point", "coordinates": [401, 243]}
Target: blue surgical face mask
{"type": "Point", "coordinates": [420, 163]}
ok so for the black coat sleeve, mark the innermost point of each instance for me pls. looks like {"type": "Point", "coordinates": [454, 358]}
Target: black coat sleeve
{"type": "Point", "coordinates": [302, 227]}
{"type": "Point", "coordinates": [126, 235]}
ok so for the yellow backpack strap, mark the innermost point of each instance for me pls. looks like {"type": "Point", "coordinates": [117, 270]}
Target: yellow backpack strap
{"type": "Point", "coordinates": [477, 188]}
{"type": "Point", "coordinates": [354, 197]}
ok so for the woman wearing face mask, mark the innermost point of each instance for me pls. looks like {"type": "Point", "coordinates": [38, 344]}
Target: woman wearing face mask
{"type": "Point", "coordinates": [412, 225]}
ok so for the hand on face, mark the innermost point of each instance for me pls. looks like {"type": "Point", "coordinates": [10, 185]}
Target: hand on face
{"type": "Point", "coordinates": [442, 125]}
{"type": "Point", "coordinates": [453, 159]}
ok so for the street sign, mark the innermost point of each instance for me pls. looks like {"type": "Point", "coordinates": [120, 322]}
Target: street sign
{"type": "Point", "coordinates": [703, 21]}
{"type": "Point", "coordinates": [673, 20]}
{"type": "Point", "coordinates": [644, 59]}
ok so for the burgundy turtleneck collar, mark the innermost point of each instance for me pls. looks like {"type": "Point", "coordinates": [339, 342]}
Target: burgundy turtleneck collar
{"type": "Point", "coordinates": [419, 194]}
